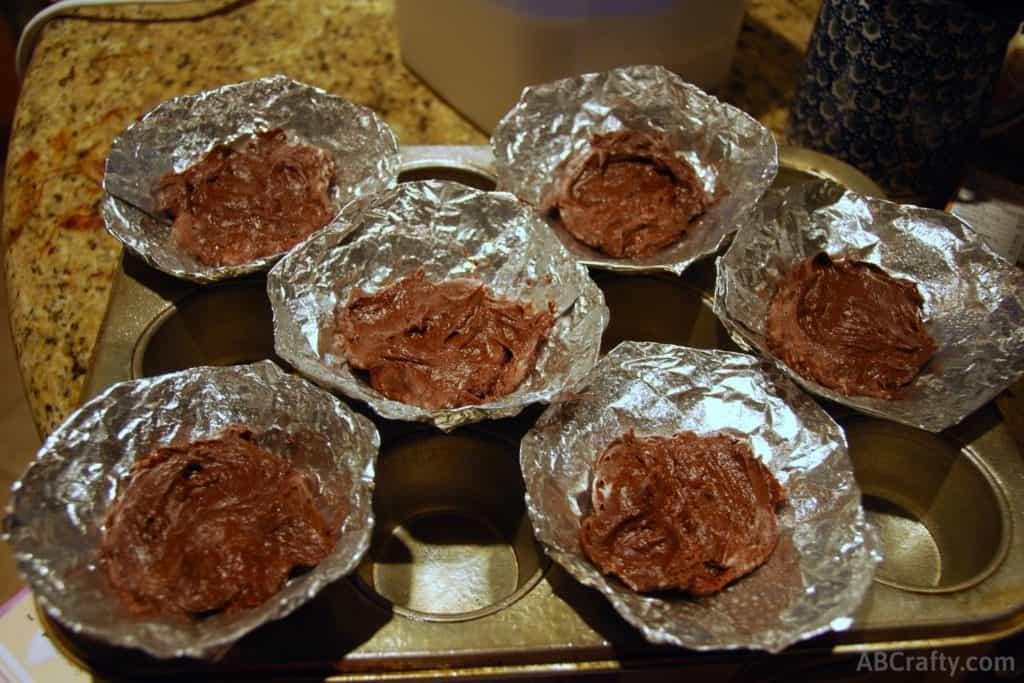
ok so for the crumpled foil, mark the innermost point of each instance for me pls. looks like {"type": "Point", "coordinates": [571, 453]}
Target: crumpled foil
{"type": "Point", "coordinates": [735, 157]}
{"type": "Point", "coordinates": [825, 558]}
{"type": "Point", "coordinates": [449, 231]}
{"type": "Point", "coordinates": [181, 131]}
{"type": "Point", "coordinates": [57, 511]}
{"type": "Point", "coordinates": [973, 299]}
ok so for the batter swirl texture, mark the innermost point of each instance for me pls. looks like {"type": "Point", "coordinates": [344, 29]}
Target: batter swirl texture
{"type": "Point", "coordinates": [440, 345]}
{"type": "Point", "coordinates": [628, 196]}
{"type": "Point", "coordinates": [849, 326]}
{"type": "Point", "coordinates": [683, 512]}
{"type": "Point", "coordinates": [213, 526]}
{"type": "Point", "coordinates": [241, 203]}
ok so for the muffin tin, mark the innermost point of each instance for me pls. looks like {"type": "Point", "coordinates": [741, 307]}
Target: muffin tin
{"type": "Point", "coordinates": [454, 580]}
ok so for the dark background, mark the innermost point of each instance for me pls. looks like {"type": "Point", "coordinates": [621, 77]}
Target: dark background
{"type": "Point", "coordinates": [14, 14]}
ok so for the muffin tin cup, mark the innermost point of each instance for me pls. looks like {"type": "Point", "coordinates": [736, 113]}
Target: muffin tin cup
{"type": "Point", "coordinates": [973, 299]}
{"type": "Point", "coordinates": [453, 542]}
{"type": "Point", "coordinates": [59, 508]}
{"type": "Point", "coordinates": [446, 231]}
{"type": "Point", "coordinates": [823, 558]}
{"type": "Point", "coordinates": [734, 157]}
{"type": "Point", "coordinates": [181, 131]}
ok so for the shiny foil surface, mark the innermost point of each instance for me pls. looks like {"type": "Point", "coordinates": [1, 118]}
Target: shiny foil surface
{"type": "Point", "coordinates": [181, 131]}
{"type": "Point", "coordinates": [825, 558]}
{"type": "Point", "coordinates": [449, 231]}
{"type": "Point", "coordinates": [973, 299]}
{"type": "Point", "coordinates": [58, 509]}
{"type": "Point", "coordinates": [735, 157]}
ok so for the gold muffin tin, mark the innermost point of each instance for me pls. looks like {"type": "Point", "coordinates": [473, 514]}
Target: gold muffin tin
{"type": "Point", "coordinates": [455, 583]}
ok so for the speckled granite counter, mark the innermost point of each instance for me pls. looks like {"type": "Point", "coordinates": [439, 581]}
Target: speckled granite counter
{"type": "Point", "coordinates": [93, 74]}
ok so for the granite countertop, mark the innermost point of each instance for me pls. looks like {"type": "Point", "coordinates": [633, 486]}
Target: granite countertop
{"type": "Point", "coordinates": [94, 73]}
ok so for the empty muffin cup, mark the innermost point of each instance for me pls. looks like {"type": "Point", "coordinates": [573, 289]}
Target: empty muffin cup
{"type": "Point", "coordinates": [941, 517]}
{"type": "Point", "coordinates": [452, 540]}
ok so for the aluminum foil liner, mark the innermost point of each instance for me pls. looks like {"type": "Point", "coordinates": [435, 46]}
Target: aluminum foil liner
{"type": "Point", "coordinates": [449, 231]}
{"type": "Point", "coordinates": [825, 558]}
{"type": "Point", "coordinates": [735, 157]}
{"type": "Point", "coordinates": [973, 299]}
{"type": "Point", "coordinates": [181, 131]}
{"type": "Point", "coordinates": [57, 510]}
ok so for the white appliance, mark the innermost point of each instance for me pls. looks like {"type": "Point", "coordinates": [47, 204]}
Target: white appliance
{"type": "Point", "coordinates": [479, 54]}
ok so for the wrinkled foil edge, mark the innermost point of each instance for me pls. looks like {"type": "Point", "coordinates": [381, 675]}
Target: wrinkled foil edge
{"type": "Point", "coordinates": [734, 155]}
{"type": "Point", "coordinates": [139, 409]}
{"type": "Point", "coordinates": [449, 230]}
{"type": "Point", "coordinates": [182, 130]}
{"type": "Point", "coordinates": [974, 299]}
{"type": "Point", "coordinates": [654, 389]}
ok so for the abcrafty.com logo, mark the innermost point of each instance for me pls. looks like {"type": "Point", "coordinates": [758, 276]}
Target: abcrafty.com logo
{"type": "Point", "coordinates": [935, 661]}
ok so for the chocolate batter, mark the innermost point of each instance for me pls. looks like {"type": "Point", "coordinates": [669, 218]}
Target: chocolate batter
{"type": "Point", "coordinates": [684, 511]}
{"type": "Point", "coordinates": [241, 203]}
{"type": "Point", "coordinates": [628, 196]}
{"type": "Point", "coordinates": [439, 345]}
{"type": "Point", "coordinates": [213, 526]}
{"type": "Point", "coordinates": [849, 326]}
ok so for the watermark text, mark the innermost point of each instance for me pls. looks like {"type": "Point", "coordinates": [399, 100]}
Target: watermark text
{"type": "Point", "coordinates": [935, 661]}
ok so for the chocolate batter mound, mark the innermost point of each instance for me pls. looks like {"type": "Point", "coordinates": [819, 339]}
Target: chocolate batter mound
{"type": "Point", "coordinates": [241, 203]}
{"type": "Point", "coordinates": [682, 512]}
{"type": "Point", "coordinates": [849, 326]}
{"type": "Point", "coordinates": [440, 345]}
{"type": "Point", "coordinates": [628, 196]}
{"type": "Point", "coordinates": [213, 526]}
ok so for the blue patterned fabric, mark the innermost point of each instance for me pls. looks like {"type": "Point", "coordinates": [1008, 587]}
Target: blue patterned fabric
{"type": "Point", "coordinates": [899, 88]}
